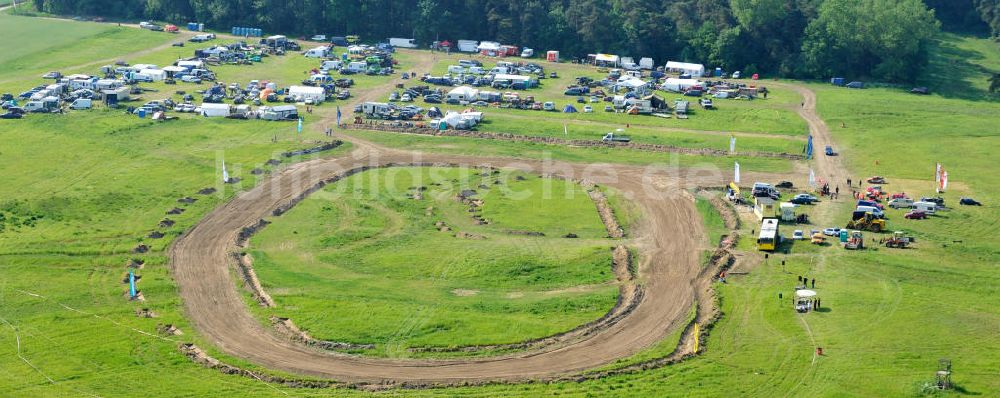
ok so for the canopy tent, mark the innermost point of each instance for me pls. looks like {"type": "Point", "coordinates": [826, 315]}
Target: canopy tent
{"type": "Point", "coordinates": [673, 84]}
{"type": "Point", "coordinates": [695, 70]}
{"type": "Point", "coordinates": [513, 78]}
{"type": "Point", "coordinates": [463, 93]}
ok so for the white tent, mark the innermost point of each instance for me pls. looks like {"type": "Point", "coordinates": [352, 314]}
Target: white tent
{"type": "Point", "coordinates": [214, 110]}
{"type": "Point", "coordinates": [191, 64]}
{"type": "Point", "coordinates": [463, 93]}
{"type": "Point", "coordinates": [631, 83]}
{"type": "Point", "coordinates": [488, 46]}
{"type": "Point", "coordinates": [306, 92]}
{"type": "Point", "coordinates": [695, 70]}
{"type": "Point", "coordinates": [155, 74]}
{"type": "Point", "coordinates": [672, 84]}
{"type": "Point", "coordinates": [513, 78]}
{"type": "Point", "coordinates": [606, 59]}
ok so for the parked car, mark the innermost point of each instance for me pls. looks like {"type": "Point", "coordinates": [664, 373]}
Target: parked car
{"type": "Point", "coordinates": [798, 235]}
{"type": "Point", "coordinates": [318, 38]}
{"type": "Point", "coordinates": [52, 75]}
{"type": "Point", "coordinates": [406, 97]}
{"type": "Point", "coordinates": [549, 106]}
{"type": "Point", "coordinates": [432, 99]}
{"type": "Point", "coordinates": [915, 215]}
{"type": "Point", "coordinates": [10, 115]}
{"type": "Point", "coordinates": [784, 184]}
{"type": "Point", "coordinates": [969, 202]}
{"type": "Point", "coordinates": [804, 199]}
{"type": "Point", "coordinates": [831, 232]}
{"type": "Point", "coordinates": [178, 44]}
{"type": "Point", "coordinates": [553, 75]}
{"type": "Point", "coordinates": [588, 109]}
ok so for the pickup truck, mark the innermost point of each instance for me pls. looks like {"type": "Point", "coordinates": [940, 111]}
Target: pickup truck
{"type": "Point", "coordinates": [612, 137]}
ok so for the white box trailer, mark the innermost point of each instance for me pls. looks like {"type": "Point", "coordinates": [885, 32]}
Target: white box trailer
{"type": "Point", "coordinates": [215, 110]}
{"type": "Point", "coordinates": [402, 43]}
{"type": "Point", "coordinates": [646, 63]}
{"type": "Point", "coordinates": [468, 46]}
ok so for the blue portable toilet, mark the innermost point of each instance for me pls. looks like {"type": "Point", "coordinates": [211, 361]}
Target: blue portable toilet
{"type": "Point", "coordinates": [343, 56]}
{"type": "Point", "coordinates": [837, 81]}
{"type": "Point", "coordinates": [142, 113]}
{"type": "Point", "coordinates": [233, 30]}
{"type": "Point", "coordinates": [843, 236]}
{"type": "Point", "coordinates": [718, 72]}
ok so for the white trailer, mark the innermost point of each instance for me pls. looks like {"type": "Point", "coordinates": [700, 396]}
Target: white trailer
{"type": "Point", "coordinates": [468, 46]}
{"type": "Point", "coordinates": [318, 52]}
{"type": "Point", "coordinates": [402, 43]}
{"type": "Point", "coordinates": [215, 110]}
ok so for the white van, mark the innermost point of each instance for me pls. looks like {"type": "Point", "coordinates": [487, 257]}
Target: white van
{"type": "Point", "coordinates": [926, 207]}
{"type": "Point", "coordinates": [34, 106]}
{"type": "Point", "coordinates": [81, 103]}
{"type": "Point", "coordinates": [455, 69]}
{"type": "Point", "coordinates": [899, 203]}
{"type": "Point", "coordinates": [476, 70]}
{"type": "Point", "coordinates": [467, 63]}
{"type": "Point", "coordinates": [871, 209]}
{"type": "Point", "coordinates": [500, 70]}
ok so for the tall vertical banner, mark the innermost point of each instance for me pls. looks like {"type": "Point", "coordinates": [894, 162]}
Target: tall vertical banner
{"type": "Point", "coordinates": [812, 178]}
{"type": "Point", "coordinates": [131, 284]}
{"type": "Point", "coordinates": [338, 115]}
{"type": "Point", "coordinates": [944, 180]}
{"type": "Point", "coordinates": [732, 144]}
{"type": "Point", "coordinates": [937, 177]}
{"type": "Point", "coordinates": [736, 172]}
{"type": "Point", "coordinates": [299, 128]}
{"type": "Point", "coordinates": [225, 174]}
{"type": "Point", "coordinates": [809, 147]}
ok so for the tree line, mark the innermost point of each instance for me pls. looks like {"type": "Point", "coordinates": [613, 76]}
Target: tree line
{"type": "Point", "coordinates": [881, 39]}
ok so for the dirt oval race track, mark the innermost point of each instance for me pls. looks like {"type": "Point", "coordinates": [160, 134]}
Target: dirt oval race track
{"type": "Point", "coordinates": [669, 237]}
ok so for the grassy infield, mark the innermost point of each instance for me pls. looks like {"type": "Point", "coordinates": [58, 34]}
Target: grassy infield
{"type": "Point", "coordinates": [100, 181]}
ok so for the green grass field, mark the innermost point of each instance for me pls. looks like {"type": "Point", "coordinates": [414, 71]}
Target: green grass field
{"type": "Point", "coordinates": [82, 189]}
{"type": "Point", "coordinates": [362, 262]}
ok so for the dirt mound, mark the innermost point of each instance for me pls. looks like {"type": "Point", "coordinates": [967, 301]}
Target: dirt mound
{"type": "Point", "coordinates": [604, 210]}
{"type": "Point", "coordinates": [168, 330]}
{"type": "Point", "coordinates": [466, 235]}
{"type": "Point", "coordinates": [155, 235]}
{"type": "Point", "coordinates": [325, 147]}
{"type": "Point", "coordinates": [187, 200]}
{"type": "Point", "coordinates": [174, 211]}
{"type": "Point", "coordinates": [166, 223]}
{"type": "Point", "coordinates": [141, 248]}
{"type": "Point", "coordinates": [272, 162]}
{"type": "Point", "coordinates": [245, 268]}
{"type": "Point", "coordinates": [523, 233]}
{"type": "Point", "coordinates": [145, 313]}
{"type": "Point", "coordinates": [287, 328]}
{"type": "Point", "coordinates": [206, 191]}
{"type": "Point", "coordinates": [136, 263]}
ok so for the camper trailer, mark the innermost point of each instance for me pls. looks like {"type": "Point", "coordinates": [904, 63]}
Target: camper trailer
{"type": "Point", "coordinates": [317, 52]}
{"type": "Point", "coordinates": [331, 65]}
{"type": "Point", "coordinates": [281, 112]}
{"type": "Point", "coordinates": [402, 43]}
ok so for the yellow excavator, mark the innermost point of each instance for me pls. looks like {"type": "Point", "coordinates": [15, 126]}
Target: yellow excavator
{"type": "Point", "coordinates": [866, 222]}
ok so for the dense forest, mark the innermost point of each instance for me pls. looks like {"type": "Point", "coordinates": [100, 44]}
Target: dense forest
{"type": "Point", "coordinates": [881, 39]}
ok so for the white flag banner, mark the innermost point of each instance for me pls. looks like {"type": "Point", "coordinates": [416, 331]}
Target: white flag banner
{"type": "Point", "coordinates": [812, 178]}
{"type": "Point", "coordinates": [225, 174]}
{"type": "Point", "coordinates": [736, 172]}
{"type": "Point", "coordinates": [732, 144]}
{"type": "Point", "coordinates": [944, 180]}
{"type": "Point", "coordinates": [565, 129]}
{"type": "Point", "coordinates": [937, 174]}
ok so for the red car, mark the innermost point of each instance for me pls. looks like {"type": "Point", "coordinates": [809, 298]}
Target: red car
{"type": "Point", "coordinates": [915, 215]}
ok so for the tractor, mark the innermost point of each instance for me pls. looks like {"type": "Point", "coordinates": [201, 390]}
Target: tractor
{"type": "Point", "coordinates": [856, 241]}
{"type": "Point", "coordinates": [897, 240]}
{"type": "Point", "coordinates": [866, 222]}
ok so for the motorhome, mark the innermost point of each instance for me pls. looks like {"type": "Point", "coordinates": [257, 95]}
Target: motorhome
{"type": "Point", "coordinates": [318, 52]}
{"type": "Point", "coordinates": [331, 65]}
